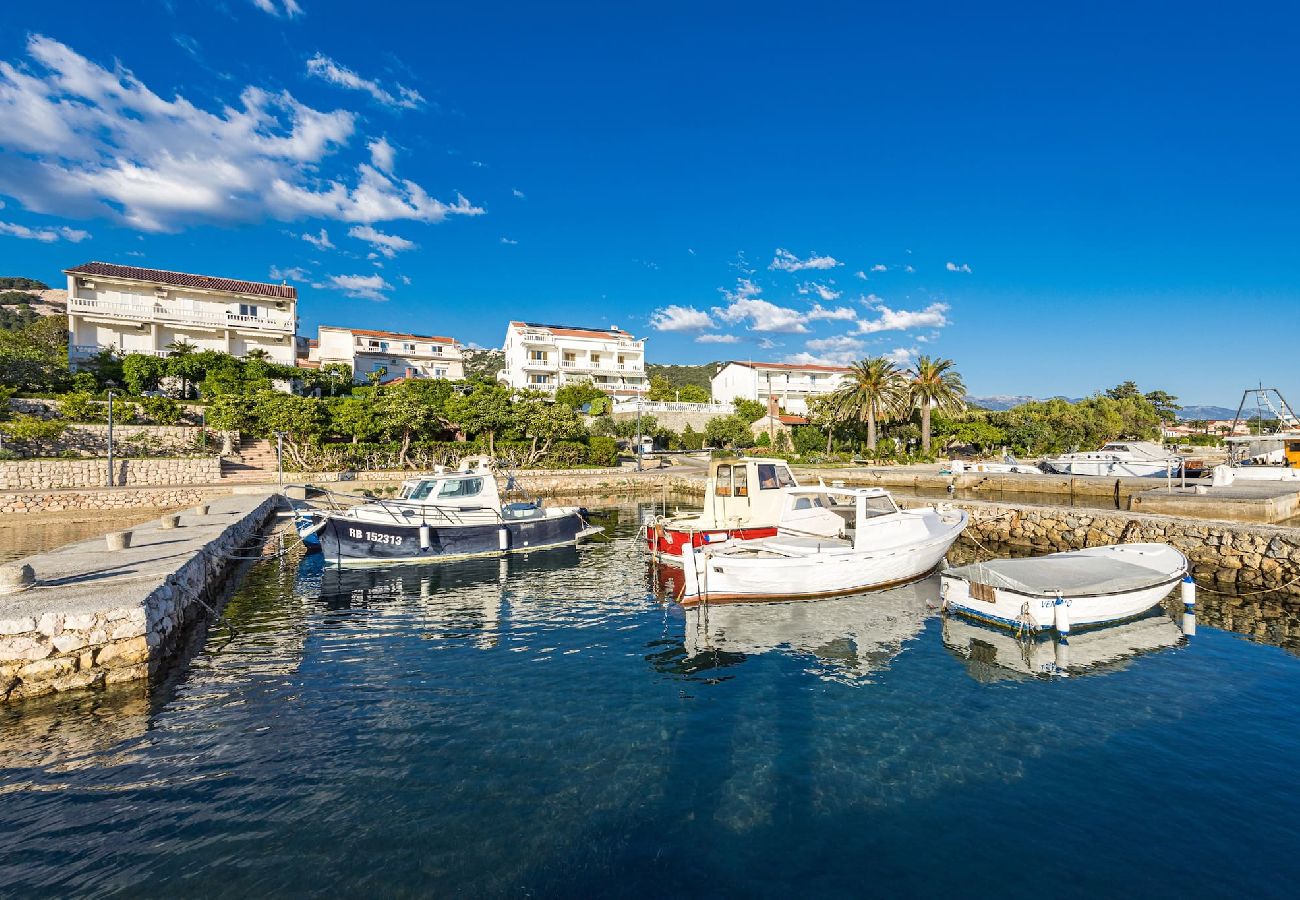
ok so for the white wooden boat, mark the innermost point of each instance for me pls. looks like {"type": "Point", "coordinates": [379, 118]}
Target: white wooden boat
{"type": "Point", "coordinates": [1225, 475]}
{"type": "Point", "coordinates": [881, 546]}
{"type": "Point", "coordinates": [1132, 459]}
{"type": "Point", "coordinates": [994, 654]}
{"type": "Point", "coordinates": [743, 499]}
{"type": "Point", "coordinates": [1065, 590]}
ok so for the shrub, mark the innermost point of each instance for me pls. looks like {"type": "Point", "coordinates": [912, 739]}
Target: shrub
{"type": "Point", "coordinates": [32, 430]}
{"type": "Point", "coordinates": [79, 407]}
{"type": "Point", "coordinates": [162, 410]}
{"type": "Point", "coordinates": [602, 451]}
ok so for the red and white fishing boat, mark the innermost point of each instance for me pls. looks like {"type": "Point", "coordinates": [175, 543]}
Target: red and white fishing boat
{"type": "Point", "coordinates": [742, 502]}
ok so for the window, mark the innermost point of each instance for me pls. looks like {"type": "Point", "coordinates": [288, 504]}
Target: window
{"type": "Point", "coordinates": [740, 481]}
{"type": "Point", "coordinates": [408, 348]}
{"type": "Point", "coordinates": [723, 486]}
{"type": "Point", "coordinates": [537, 355]}
{"type": "Point", "coordinates": [246, 309]}
{"type": "Point", "coordinates": [461, 487]}
{"type": "Point", "coordinates": [539, 379]}
{"type": "Point", "coordinates": [439, 373]}
{"type": "Point", "coordinates": [771, 477]}
{"type": "Point", "coordinates": [878, 506]}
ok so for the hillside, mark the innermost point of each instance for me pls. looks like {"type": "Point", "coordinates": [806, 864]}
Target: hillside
{"type": "Point", "coordinates": [681, 376]}
{"type": "Point", "coordinates": [483, 363]}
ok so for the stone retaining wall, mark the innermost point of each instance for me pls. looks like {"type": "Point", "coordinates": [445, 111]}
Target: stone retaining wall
{"type": "Point", "coordinates": [57, 650]}
{"type": "Point", "coordinates": [1250, 557]}
{"type": "Point", "coordinates": [128, 440]}
{"type": "Point", "coordinates": [24, 502]}
{"type": "Point", "coordinates": [57, 474]}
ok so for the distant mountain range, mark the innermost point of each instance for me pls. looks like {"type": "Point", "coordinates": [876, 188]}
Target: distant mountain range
{"type": "Point", "coordinates": [1000, 403]}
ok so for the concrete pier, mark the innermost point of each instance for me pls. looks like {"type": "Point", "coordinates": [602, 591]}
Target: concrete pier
{"type": "Point", "coordinates": [98, 616]}
{"type": "Point", "coordinates": [1268, 502]}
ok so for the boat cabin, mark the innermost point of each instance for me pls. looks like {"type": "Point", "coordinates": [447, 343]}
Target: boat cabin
{"type": "Point", "coordinates": [749, 489]}
{"type": "Point", "coordinates": [863, 516]}
{"type": "Point", "coordinates": [471, 486]}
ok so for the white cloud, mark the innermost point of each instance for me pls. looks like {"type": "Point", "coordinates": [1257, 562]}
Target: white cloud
{"type": "Point", "coordinates": [880, 267]}
{"type": "Point", "coordinates": [519, 194]}
{"type": "Point", "coordinates": [840, 342]}
{"type": "Point", "coordinates": [821, 290]}
{"type": "Point", "coordinates": [46, 235]}
{"type": "Point", "coordinates": [767, 344]}
{"type": "Point", "coordinates": [953, 267]}
{"type": "Point", "coordinates": [293, 273]}
{"type": "Point", "coordinates": [909, 269]}
{"type": "Point", "coordinates": [717, 339]}
{"type": "Point", "coordinates": [785, 261]}
{"type": "Point", "coordinates": [680, 318]}
{"type": "Point", "coordinates": [365, 287]}
{"type": "Point", "coordinates": [83, 141]}
{"type": "Point", "coordinates": [860, 274]}
{"type": "Point", "coordinates": [387, 245]}
{"type": "Point", "coordinates": [381, 155]}
{"type": "Point", "coordinates": [762, 316]}
{"type": "Point", "coordinates": [325, 68]}
{"type": "Point", "coordinates": [319, 241]}
{"type": "Point", "coordinates": [290, 7]}
{"type": "Point", "coordinates": [902, 356]}
{"type": "Point", "coordinates": [841, 313]}
{"type": "Point", "coordinates": [933, 316]}
{"type": "Point", "coordinates": [405, 279]}
{"type": "Point", "coordinates": [819, 359]}
{"type": "Point", "coordinates": [506, 240]}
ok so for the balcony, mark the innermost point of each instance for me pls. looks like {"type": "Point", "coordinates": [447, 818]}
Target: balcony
{"type": "Point", "coordinates": [421, 351]}
{"type": "Point", "coordinates": [538, 365]}
{"type": "Point", "coordinates": [538, 337]}
{"type": "Point", "coordinates": [159, 312]}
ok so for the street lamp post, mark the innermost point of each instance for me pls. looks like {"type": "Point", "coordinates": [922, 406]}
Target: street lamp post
{"type": "Point", "coordinates": [638, 432]}
{"type": "Point", "coordinates": [279, 456]}
{"type": "Point", "coordinates": [110, 435]}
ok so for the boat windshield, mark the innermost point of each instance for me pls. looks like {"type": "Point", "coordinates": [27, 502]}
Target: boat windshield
{"type": "Point", "coordinates": [451, 488]}
{"type": "Point", "coordinates": [773, 477]}
{"type": "Point", "coordinates": [878, 506]}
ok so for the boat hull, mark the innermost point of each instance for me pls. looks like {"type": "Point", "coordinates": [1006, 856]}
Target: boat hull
{"type": "Point", "coordinates": [350, 541]}
{"type": "Point", "coordinates": [668, 543]}
{"type": "Point", "coordinates": [724, 578]}
{"type": "Point", "coordinates": [1034, 612]}
{"type": "Point", "coordinates": [1110, 468]}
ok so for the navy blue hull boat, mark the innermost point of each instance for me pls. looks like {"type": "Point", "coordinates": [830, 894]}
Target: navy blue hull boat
{"type": "Point", "coordinates": [447, 515]}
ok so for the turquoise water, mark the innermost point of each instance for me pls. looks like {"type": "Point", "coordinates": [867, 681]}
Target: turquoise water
{"type": "Point", "coordinates": [545, 726]}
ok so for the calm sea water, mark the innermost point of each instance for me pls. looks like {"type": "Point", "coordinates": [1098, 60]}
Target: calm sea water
{"type": "Point", "coordinates": [546, 726]}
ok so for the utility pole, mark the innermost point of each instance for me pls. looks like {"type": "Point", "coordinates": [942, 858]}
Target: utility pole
{"type": "Point", "coordinates": [638, 432]}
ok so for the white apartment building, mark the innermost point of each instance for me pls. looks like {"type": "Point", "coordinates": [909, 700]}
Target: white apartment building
{"type": "Point", "coordinates": [137, 310]}
{"type": "Point", "coordinates": [546, 357]}
{"type": "Point", "coordinates": [391, 353]}
{"type": "Point", "coordinates": [790, 384]}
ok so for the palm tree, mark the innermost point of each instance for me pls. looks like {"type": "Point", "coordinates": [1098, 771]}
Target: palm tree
{"type": "Point", "coordinates": [935, 384]}
{"type": "Point", "coordinates": [181, 349]}
{"type": "Point", "coordinates": [874, 389]}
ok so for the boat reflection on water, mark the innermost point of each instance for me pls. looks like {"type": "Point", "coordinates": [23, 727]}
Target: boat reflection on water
{"type": "Point", "coordinates": [994, 654]}
{"type": "Point", "coordinates": [842, 639]}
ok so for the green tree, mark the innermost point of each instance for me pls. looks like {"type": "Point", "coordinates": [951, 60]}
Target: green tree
{"type": "Point", "coordinates": [11, 282]}
{"type": "Point", "coordinates": [355, 417]}
{"type": "Point", "coordinates": [485, 408]}
{"type": "Point", "coordinates": [749, 410]}
{"type": "Point", "coordinates": [1125, 390]}
{"type": "Point", "coordinates": [935, 384]}
{"type": "Point", "coordinates": [181, 363]}
{"type": "Point", "coordinates": [142, 372]}
{"type": "Point", "coordinates": [693, 393]}
{"type": "Point", "coordinates": [1166, 405]}
{"type": "Point", "coordinates": [544, 423]}
{"type": "Point", "coordinates": [35, 356]}
{"type": "Point", "coordinates": [873, 390]}
{"type": "Point", "coordinates": [577, 395]}
{"type": "Point", "coordinates": [412, 409]}
{"type": "Point", "coordinates": [728, 431]}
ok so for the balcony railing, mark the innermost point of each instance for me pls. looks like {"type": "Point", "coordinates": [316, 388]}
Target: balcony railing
{"type": "Point", "coordinates": [160, 313]}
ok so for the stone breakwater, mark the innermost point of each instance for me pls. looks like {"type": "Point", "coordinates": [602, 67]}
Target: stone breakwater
{"type": "Point", "coordinates": [59, 474]}
{"type": "Point", "coordinates": [98, 616]}
{"type": "Point", "coordinates": [1246, 557]}
{"type": "Point", "coordinates": [27, 502]}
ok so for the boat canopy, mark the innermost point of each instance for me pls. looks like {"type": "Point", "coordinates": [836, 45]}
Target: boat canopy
{"type": "Point", "coordinates": [1069, 575]}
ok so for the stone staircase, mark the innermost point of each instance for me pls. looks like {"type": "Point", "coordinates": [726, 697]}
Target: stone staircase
{"type": "Point", "coordinates": [256, 463]}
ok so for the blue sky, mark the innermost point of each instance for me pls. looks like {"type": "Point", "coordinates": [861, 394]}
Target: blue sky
{"type": "Point", "coordinates": [1057, 196]}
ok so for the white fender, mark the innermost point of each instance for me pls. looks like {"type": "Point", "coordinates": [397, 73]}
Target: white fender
{"type": "Point", "coordinates": [1061, 620]}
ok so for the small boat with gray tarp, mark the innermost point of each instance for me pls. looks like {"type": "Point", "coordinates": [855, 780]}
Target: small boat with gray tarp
{"type": "Point", "coordinates": [1079, 588]}
{"type": "Point", "coordinates": [445, 515]}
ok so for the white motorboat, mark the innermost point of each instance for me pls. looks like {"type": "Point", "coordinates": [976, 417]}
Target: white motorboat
{"type": "Point", "coordinates": [878, 545]}
{"type": "Point", "coordinates": [993, 654]}
{"type": "Point", "coordinates": [1009, 466]}
{"type": "Point", "coordinates": [1222, 476]}
{"type": "Point", "coordinates": [1065, 590]}
{"type": "Point", "coordinates": [1132, 459]}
